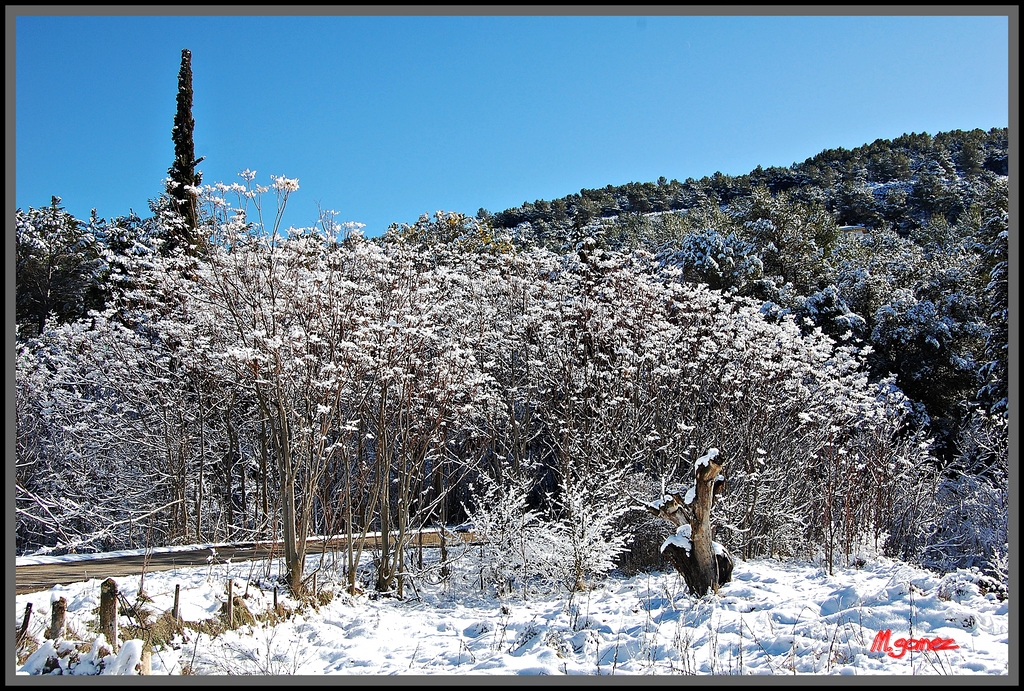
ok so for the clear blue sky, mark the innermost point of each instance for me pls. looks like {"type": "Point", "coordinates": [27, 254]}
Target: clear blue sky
{"type": "Point", "coordinates": [385, 118]}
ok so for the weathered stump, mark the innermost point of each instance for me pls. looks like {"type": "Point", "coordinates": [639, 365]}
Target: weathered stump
{"type": "Point", "coordinates": [700, 581]}
{"type": "Point", "coordinates": [108, 612]}
{"type": "Point", "coordinates": [704, 564]}
{"type": "Point", "coordinates": [58, 613]}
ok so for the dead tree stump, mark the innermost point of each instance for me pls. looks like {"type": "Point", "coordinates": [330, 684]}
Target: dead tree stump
{"type": "Point", "coordinates": [108, 612]}
{"type": "Point", "coordinates": [704, 564]}
{"type": "Point", "coordinates": [58, 613]}
{"type": "Point", "coordinates": [697, 580]}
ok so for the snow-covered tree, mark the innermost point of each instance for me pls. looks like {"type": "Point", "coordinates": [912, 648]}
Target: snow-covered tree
{"type": "Point", "coordinates": [58, 265]}
{"type": "Point", "coordinates": [994, 236]}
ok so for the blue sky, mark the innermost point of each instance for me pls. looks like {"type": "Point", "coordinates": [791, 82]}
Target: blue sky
{"type": "Point", "coordinates": [385, 118]}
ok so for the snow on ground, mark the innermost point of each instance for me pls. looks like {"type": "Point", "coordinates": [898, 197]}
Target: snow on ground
{"type": "Point", "coordinates": [774, 618]}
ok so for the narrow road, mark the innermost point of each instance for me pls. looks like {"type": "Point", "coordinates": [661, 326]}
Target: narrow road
{"type": "Point", "coordinates": [36, 577]}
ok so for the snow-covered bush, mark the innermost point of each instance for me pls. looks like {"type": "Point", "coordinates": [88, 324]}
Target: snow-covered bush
{"type": "Point", "coordinates": [958, 517]}
{"type": "Point", "coordinates": [565, 544]}
{"type": "Point", "coordinates": [508, 530]}
{"type": "Point", "coordinates": [971, 528]}
{"type": "Point", "coordinates": [723, 262]}
{"type": "Point", "coordinates": [586, 535]}
{"type": "Point", "coordinates": [642, 551]}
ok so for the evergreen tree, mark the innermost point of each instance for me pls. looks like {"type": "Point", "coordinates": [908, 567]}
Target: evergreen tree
{"type": "Point", "coordinates": [183, 177]}
{"type": "Point", "coordinates": [971, 155]}
{"type": "Point", "coordinates": [994, 236]}
{"type": "Point", "coordinates": [58, 261]}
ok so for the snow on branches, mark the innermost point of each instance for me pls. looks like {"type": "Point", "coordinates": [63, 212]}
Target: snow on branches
{"type": "Point", "coordinates": [344, 383]}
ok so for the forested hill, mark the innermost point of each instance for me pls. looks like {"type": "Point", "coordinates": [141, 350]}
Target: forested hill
{"type": "Point", "coordinates": [902, 182]}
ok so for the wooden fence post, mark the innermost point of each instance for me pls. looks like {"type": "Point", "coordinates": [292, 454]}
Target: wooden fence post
{"type": "Point", "coordinates": [23, 631]}
{"type": "Point", "coordinates": [58, 611]}
{"type": "Point", "coordinates": [176, 612]}
{"type": "Point", "coordinates": [108, 612]}
{"type": "Point", "coordinates": [231, 603]}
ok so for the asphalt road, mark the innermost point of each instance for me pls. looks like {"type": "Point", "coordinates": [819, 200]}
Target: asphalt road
{"type": "Point", "coordinates": [36, 577]}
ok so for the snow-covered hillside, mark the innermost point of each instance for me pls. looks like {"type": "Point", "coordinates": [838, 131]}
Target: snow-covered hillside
{"type": "Point", "coordinates": [774, 618]}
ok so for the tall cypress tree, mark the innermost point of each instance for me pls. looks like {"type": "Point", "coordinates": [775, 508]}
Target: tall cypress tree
{"type": "Point", "coordinates": [183, 171]}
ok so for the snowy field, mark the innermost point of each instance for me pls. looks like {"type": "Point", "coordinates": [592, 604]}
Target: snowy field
{"type": "Point", "coordinates": [774, 618]}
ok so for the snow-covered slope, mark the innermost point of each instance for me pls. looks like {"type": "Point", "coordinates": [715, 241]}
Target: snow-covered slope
{"type": "Point", "coordinates": [774, 618]}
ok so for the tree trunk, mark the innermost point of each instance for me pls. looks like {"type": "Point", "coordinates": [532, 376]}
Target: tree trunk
{"type": "Point", "coordinates": [202, 467]}
{"type": "Point", "coordinates": [294, 554]}
{"type": "Point", "coordinates": [699, 581]}
{"type": "Point", "coordinates": [384, 573]}
{"type": "Point", "coordinates": [230, 460]}
{"type": "Point", "coordinates": [292, 557]}
{"type": "Point", "coordinates": [704, 565]}
{"type": "Point", "coordinates": [265, 502]}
